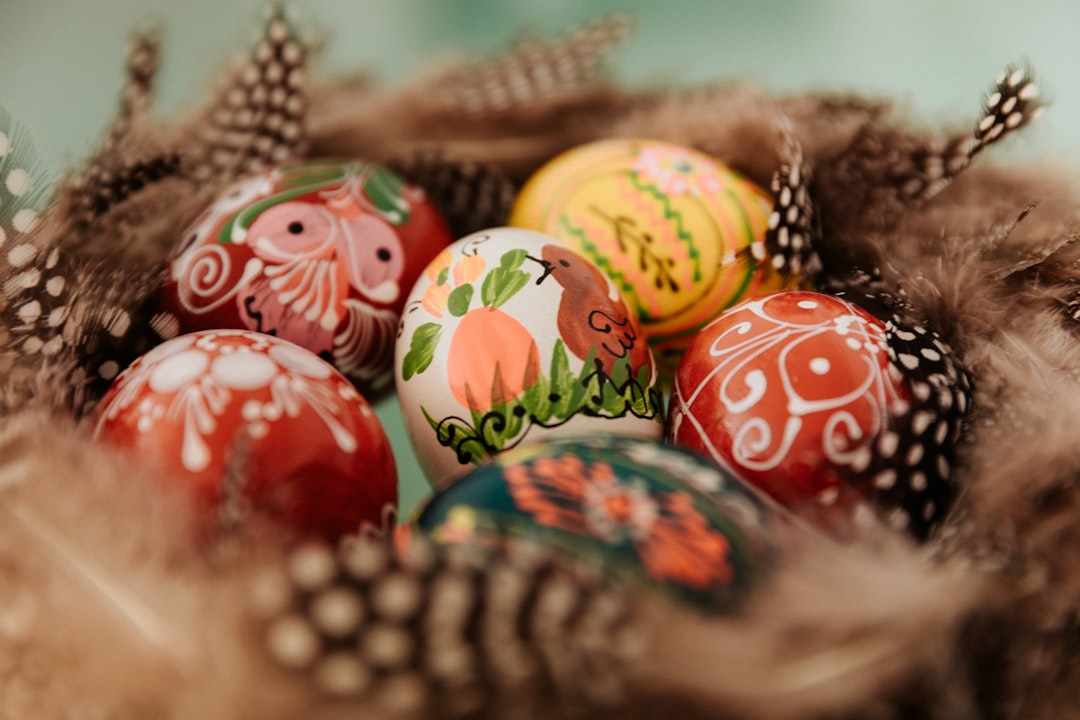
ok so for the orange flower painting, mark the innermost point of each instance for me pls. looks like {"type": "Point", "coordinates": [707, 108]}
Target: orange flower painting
{"type": "Point", "coordinates": [672, 538]}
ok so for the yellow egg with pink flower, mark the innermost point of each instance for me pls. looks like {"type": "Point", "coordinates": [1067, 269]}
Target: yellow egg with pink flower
{"type": "Point", "coordinates": [681, 234]}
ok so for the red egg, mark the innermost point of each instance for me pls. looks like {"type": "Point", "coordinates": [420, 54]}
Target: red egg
{"type": "Point", "coordinates": [792, 392]}
{"type": "Point", "coordinates": [321, 253]}
{"type": "Point", "coordinates": [248, 421]}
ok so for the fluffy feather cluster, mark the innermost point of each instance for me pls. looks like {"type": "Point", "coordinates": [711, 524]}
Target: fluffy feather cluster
{"type": "Point", "coordinates": [108, 610]}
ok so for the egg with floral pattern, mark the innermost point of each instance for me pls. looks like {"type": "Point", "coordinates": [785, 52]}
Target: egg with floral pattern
{"type": "Point", "coordinates": [250, 423]}
{"type": "Point", "coordinates": [824, 406]}
{"type": "Point", "coordinates": [320, 253]}
{"type": "Point", "coordinates": [680, 234]}
{"type": "Point", "coordinates": [636, 509]}
{"type": "Point", "coordinates": [511, 336]}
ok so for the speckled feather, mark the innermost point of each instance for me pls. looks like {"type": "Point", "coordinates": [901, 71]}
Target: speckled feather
{"type": "Point", "coordinates": [67, 324]}
{"type": "Point", "coordinates": [449, 631]}
{"type": "Point", "coordinates": [470, 196]}
{"type": "Point", "coordinates": [258, 116]}
{"type": "Point", "coordinates": [535, 72]}
{"type": "Point", "coordinates": [886, 171]}
{"type": "Point", "coordinates": [792, 230]}
{"type": "Point", "coordinates": [909, 473]}
{"type": "Point", "coordinates": [125, 161]}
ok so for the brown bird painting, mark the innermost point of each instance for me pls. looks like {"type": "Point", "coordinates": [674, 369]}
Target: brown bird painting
{"type": "Point", "coordinates": [590, 319]}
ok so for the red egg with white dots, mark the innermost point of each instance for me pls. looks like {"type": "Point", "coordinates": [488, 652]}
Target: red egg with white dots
{"type": "Point", "coordinates": [800, 393]}
{"type": "Point", "coordinates": [250, 423]}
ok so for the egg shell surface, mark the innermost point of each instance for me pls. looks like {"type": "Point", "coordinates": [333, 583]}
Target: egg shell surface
{"type": "Point", "coordinates": [633, 508]}
{"type": "Point", "coordinates": [680, 234]}
{"type": "Point", "coordinates": [793, 392]}
{"type": "Point", "coordinates": [509, 335]}
{"type": "Point", "coordinates": [320, 253]}
{"type": "Point", "coordinates": [249, 421]}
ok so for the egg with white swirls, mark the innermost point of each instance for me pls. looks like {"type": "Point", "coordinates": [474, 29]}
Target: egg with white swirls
{"type": "Point", "coordinates": [320, 253]}
{"type": "Point", "coordinates": [823, 405]}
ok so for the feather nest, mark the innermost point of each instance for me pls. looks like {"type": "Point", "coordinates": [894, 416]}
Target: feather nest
{"type": "Point", "coordinates": [98, 571]}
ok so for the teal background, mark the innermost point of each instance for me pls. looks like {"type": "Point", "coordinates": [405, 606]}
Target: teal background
{"type": "Point", "coordinates": [61, 60]}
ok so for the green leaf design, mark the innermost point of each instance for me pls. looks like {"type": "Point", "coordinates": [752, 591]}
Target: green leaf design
{"type": "Point", "coordinates": [421, 350]}
{"type": "Point", "coordinates": [536, 400]}
{"type": "Point", "coordinates": [444, 275]}
{"type": "Point", "coordinates": [503, 282]}
{"type": "Point", "coordinates": [458, 302]}
{"type": "Point", "coordinates": [458, 436]}
{"type": "Point", "coordinates": [513, 259]}
{"type": "Point", "coordinates": [384, 188]}
{"type": "Point", "coordinates": [554, 399]}
{"type": "Point", "coordinates": [644, 401]}
{"type": "Point", "coordinates": [564, 384]}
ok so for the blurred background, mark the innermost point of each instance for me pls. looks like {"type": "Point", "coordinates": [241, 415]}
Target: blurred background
{"type": "Point", "coordinates": [61, 60]}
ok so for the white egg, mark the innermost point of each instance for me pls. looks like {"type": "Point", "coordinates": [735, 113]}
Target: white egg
{"type": "Point", "coordinates": [510, 335]}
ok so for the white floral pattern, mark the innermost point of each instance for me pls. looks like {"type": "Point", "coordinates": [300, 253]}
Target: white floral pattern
{"type": "Point", "coordinates": [192, 380]}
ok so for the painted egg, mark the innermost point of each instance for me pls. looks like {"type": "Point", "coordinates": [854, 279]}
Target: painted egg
{"type": "Point", "coordinates": [248, 421]}
{"type": "Point", "coordinates": [511, 335]}
{"type": "Point", "coordinates": [636, 509]}
{"type": "Point", "coordinates": [680, 234]}
{"type": "Point", "coordinates": [801, 394]}
{"type": "Point", "coordinates": [321, 254]}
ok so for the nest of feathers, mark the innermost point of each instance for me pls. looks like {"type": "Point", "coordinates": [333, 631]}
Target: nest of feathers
{"type": "Point", "coordinates": [108, 610]}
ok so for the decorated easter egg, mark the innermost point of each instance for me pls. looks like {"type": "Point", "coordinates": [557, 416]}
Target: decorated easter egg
{"type": "Point", "coordinates": [250, 422]}
{"type": "Point", "coordinates": [321, 254]}
{"type": "Point", "coordinates": [804, 395]}
{"type": "Point", "coordinates": [510, 335]}
{"type": "Point", "coordinates": [634, 508]}
{"type": "Point", "coordinates": [680, 234]}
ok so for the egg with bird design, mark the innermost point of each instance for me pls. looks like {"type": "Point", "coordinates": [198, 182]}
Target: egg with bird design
{"type": "Point", "coordinates": [510, 335]}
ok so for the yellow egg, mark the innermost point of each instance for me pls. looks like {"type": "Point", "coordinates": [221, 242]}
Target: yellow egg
{"type": "Point", "coordinates": [680, 234]}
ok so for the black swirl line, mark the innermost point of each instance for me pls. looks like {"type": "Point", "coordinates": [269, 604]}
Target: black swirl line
{"type": "Point", "coordinates": [257, 316]}
{"type": "Point", "coordinates": [609, 327]}
{"type": "Point", "coordinates": [468, 443]}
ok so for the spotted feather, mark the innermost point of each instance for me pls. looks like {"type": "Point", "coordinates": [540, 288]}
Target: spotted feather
{"type": "Point", "coordinates": [1012, 104]}
{"type": "Point", "coordinates": [116, 170]}
{"type": "Point", "coordinates": [65, 326]}
{"type": "Point", "coordinates": [470, 196]}
{"type": "Point", "coordinates": [25, 185]}
{"type": "Point", "coordinates": [258, 116]}
{"type": "Point", "coordinates": [535, 72]}
{"type": "Point", "coordinates": [792, 229]}
{"type": "Point", "coordinates": [445, 631]}
{"type": "Point", "coordinates": [886, 171]}
{"type": "Point", "coordinates": [910, 473]}
{"type": "Point", "coordinates": [71, 327]}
